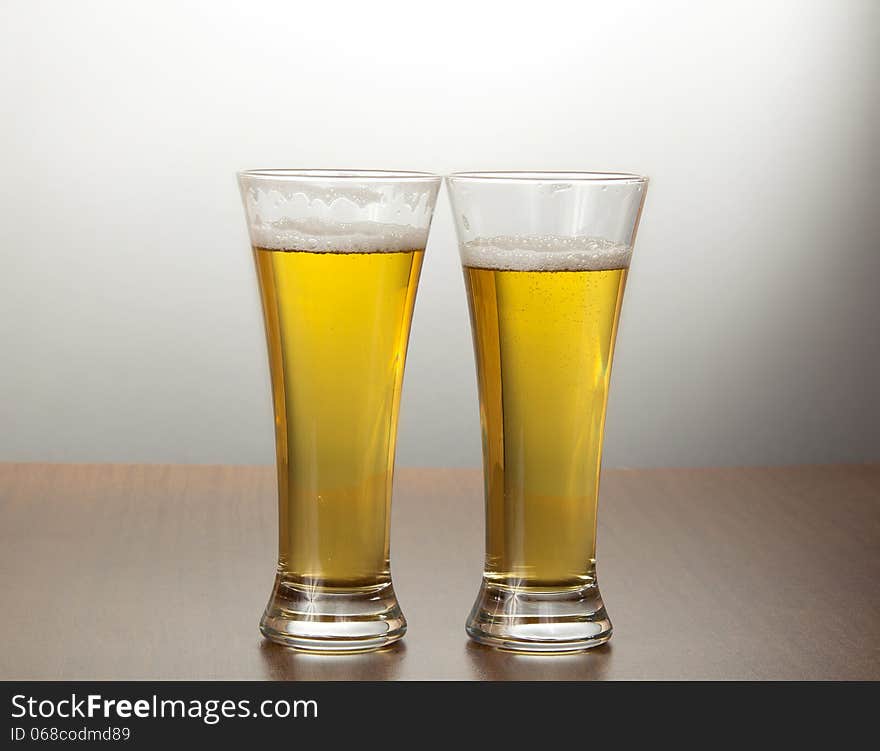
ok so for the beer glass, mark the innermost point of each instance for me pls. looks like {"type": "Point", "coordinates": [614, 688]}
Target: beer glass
{"type": "Point", "coordinates": [545, 258]}
{"type": "Point", "coordinates": [338, 256]}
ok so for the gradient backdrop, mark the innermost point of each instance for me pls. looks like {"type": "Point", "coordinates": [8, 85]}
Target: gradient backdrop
{"type": "Point", "coordinates": [129, 319]}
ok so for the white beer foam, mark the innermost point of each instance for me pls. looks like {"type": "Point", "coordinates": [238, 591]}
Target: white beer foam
{"type": "Point", "coordinates": [337, 237]}
{"type": "Point", "coordinates": [545, 253]}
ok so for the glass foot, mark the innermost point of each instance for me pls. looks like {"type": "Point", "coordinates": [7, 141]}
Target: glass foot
{"type": "Point", "coordinates": [320, 619]}
{"type": "Point", "coordinates": [532, 620]}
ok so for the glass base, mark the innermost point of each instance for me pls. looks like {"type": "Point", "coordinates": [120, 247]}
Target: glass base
{"type": "Point", "coordinates": [531, 620]}
{"type": "Point", "coordinates": [318, 619]}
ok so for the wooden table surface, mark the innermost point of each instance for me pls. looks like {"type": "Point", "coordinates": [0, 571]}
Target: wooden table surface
{"type": "Point", "coordinates": [161, 572]}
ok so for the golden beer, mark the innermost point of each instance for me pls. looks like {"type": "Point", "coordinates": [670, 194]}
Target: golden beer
{"type": "Point", "coordinates": [544, 342]}
{"type": "Point", "coordinates": [337, 326]}
{"type": "Point", "coordinates": [546, 257]}
{"type": "Point", "coordinates": [338, 255]}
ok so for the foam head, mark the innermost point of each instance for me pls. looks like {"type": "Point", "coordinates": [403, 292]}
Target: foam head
{"type": "Point", "coordinates": [545, 253]}
{"type": "Point", "coordinates": [346, 213]}
{"type": "Point", "coordinates": [337, 237]}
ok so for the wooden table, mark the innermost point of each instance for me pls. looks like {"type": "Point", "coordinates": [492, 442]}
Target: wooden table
{"type": "Point", "coordinates": [161, 572]}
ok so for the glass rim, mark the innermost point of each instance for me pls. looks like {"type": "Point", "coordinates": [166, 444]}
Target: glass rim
{"type": "Point", "coordinates": [537, 176]}
{"type": "Point", "coordinates": [354, 175]}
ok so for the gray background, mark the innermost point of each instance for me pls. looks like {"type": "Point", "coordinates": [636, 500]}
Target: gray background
{"type": "Point", "coordinates": [129, 321]}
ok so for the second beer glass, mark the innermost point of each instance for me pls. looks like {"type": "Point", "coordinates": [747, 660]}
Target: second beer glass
{"type": "Point", "coordinates": [338, 256]}
{"type": "Point", "coordinates": [545, 259]}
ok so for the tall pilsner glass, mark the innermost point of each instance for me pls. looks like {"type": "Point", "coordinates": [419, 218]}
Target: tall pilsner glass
{"type": "Point", "coordinates": [338, 256]}
{"type": "Point", "coordinates": [545, 259]}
